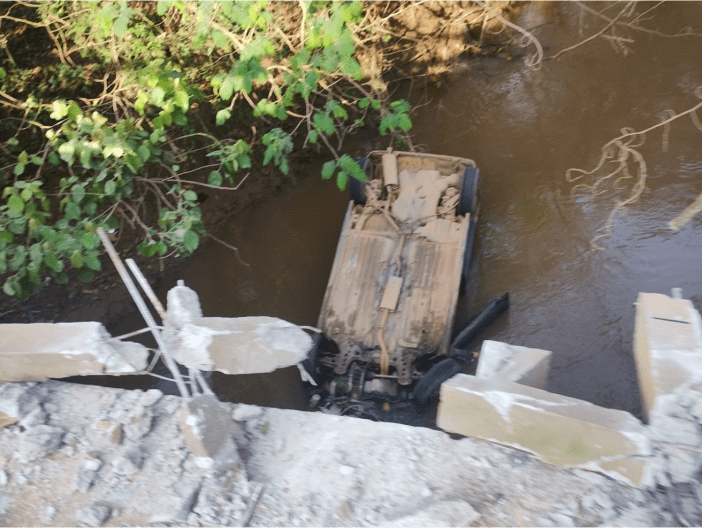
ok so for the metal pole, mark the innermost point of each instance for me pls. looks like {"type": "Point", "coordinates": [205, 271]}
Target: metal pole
{"type": "Point", "coordinates": [147, 289]}
{"type": "Point", "coordinates": [144, 310]}
{"type": "Point", "coordinates": [195, 375]}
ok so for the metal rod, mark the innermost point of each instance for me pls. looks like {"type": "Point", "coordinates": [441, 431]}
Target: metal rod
{"type": "Point", "coordinates": [147, 289]}
{"type": "Point", "coordinates": [195, 375]}
{"type": "Point", "coordinates": [144, 310]}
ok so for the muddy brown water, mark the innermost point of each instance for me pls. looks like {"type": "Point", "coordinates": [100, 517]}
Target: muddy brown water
{"type": "Point", "coordinates": [524, 128]}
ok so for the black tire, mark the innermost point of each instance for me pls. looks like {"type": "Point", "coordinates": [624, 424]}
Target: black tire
{"type": "Point", "coordinates": [464, 357]}
{"type": "Point", "coordinates": [468, 203]}
{"type": "Point", "coordinates": [310, 363]}
{"type": "Point", "coordinates": [357, 191]}
{"type": "Point", "coordinates": [432, 380]}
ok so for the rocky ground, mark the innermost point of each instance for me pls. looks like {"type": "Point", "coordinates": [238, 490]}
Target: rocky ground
{"type": "Point", "coordinates": [84, 455]}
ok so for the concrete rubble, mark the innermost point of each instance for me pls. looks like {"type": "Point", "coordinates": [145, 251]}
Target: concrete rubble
{"type": "Point", "coordinates": [84, 455]}
{"type": "Point", "coordinates": [317, 469]}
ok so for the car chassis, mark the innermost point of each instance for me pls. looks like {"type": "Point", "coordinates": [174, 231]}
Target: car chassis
{"type": "Point", "coordinates": [403, 253]}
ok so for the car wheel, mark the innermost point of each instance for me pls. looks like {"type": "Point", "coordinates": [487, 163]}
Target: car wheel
{"type": "Point", "coordinates": [432, 380]}
{"type": "Point", "coordinates": [357, 191]}
{"type": "Point", "coordinates": [468, 202]}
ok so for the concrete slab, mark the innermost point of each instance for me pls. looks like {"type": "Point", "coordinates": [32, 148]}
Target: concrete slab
{"type": "Point", "coordinates": [528, 366]}
{"type": "Point", "coordinates": [560, 430]}
{"type": "Point", "coordinates": [36, 352]}
{"type": "Point", "coordinates": [242, 345]}
{"type": "Point", "coordinates": [667, 347]}
{"type": "Point", "coordinates": [206, 425]}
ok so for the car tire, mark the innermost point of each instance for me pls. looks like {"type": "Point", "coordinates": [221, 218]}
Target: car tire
{"type": "Point", "coordinates": [468, 202]}
{"type": "Point", "coordinates": [432, 380]}
{"type": "Point", "coordinates": [310, 363]}
{"type": "Point", "coordinates": [357, 191]}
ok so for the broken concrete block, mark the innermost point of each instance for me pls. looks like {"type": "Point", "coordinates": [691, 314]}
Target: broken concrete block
{"type": "Point", "coordinates": [183, 305]}
{"type": "Point", "coordinates": [16, 401]}
{"type": "Point", "coordinates": [206, 424]}
{"type": "Point", "coordinates": [40, 441]}
{"type": "Point", "coordinates": [444, 513]}
{"type": "Point", "coordinates": [243, 412]}
{"type": "Point", "coordinates": [667, 346]}
{"type": "Point", "coordinates": [117, 434]}
{"type": "Point", "coordinates": [242, 345]}
{"type": "Point", "coordinates": [560, 430]}
{"type": "Point", "coordinates": [150, 397]}
{"type": "Point", "coordinates": [528, 366]}
{"type": "Point", "coordinates": [35, 352]}
{"type": "Point", "coordinates": [139, 425]}
{"type": "Point", "coordinates": [129, 463]}
{"type": "Point", "coordinates": [48, 514]}
{"type": "Point", "coordinates": [86, 474]}
{"type": "Point", "coordinates": [94, 515]}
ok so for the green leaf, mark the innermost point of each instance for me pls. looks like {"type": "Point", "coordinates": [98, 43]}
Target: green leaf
{"type": "Point", "coordinates": [161, 248]}
{"type": "Point", "coordinates": [16, 204]}
{"type": "Point", "coordinates": [9, 287]}
{"type": "Point", "coordinates": [52, 262]}
{"type": "Point", "coordinates": [110, 187]}
{"type": "Point", "coordinates": [19, 169]}
{"type": "Point", "coordinates": [67, 152]}
{"type": "Point", "coordinates": [220, 40]}
{"type": "Point", "coordinates": [144, 153]}
{"type": "Point", "coordinates": [73, 110]}
{"type": "Point", "coordinates": [106, 17]}
{"type": "Point", "coordinates": [26, 194]}
{"type": "Point", "coordinates": [363, 103]}
{"type": "Point", "coordinates": [313, 136]}
{"type": "Point", "coordinates": [18, 259]}
{"type": "Point", "coordinates": [404, 122]}
{"type": "Point", "coordinates": [181, 99]}
{"type": "Point", "coordinates": [92, 262]}
{"type": "Point", "coordinates": [78, 193]}
{"type": "Point", "coordinates": [191, 241]}
{"type": "Point", "coordinates": [90, 240]}
{"type": "Point", "coordinates": [190, 196]}
{"type": "Point", "coordinates": [215, 178]}
{"type": "Point", "coordinates": [77, 259]}
{"type": "Point", "coordinates": [328, 169]}
{"type": "Point", "coordinates": [223, 116]}
{"type": "Point", "coordinates": [72, 211]}
{"type": "Point", "coordinates": [227, 88]}
{"type": "Point", "coordinates": [341, 180]}
{"type": "Point", "coordinates": [54, 159]}
{"type": "Point", "coordinates": [157, 95]}
{"type": "Point", "coordinates": [122, 21]}
{"type": "Point", "coordinates": [163, 6]}
{"type": "Point", "coordinates": [60, 109]}
{"type": "Point", "coordinates": [324, 123]}
{"type": "Point", "coordinates": [146, 249]}
{"type": "Point", "coordinates": [375, 103]}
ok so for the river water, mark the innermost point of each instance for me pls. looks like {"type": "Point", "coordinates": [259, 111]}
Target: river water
{"type": "Point", "coordinates": [524, 128]}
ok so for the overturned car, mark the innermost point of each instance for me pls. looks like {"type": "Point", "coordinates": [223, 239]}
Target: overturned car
{"type": "Point", "coordinates": [404, 251]}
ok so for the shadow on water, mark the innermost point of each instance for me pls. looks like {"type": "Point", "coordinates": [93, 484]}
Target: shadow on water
{"type": "Point", "coordinates": [524, 128]}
